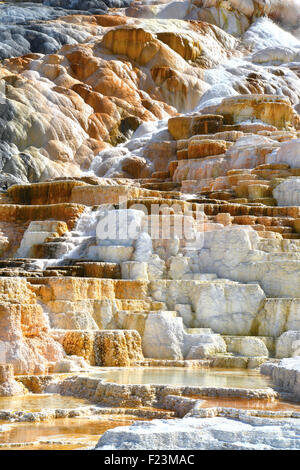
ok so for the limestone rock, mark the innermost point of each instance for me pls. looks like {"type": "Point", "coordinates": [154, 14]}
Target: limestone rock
{"type": "Point", "coordinates": [8, 385]}
{"type": "Point", "coordinates": [288, 344]}
{"type": "Point", "coordinates": [205, 148]}
{"type": "Point", "coordinates": [111, 254]}
{"type": "Point", "coordinates": [25, 341]}
{"type": "Point", "coordinates": [134, 270]}
{"type": "Point", "coordinates": [24, 29]}
{"type": "Point", "coordinates": [205, 346]}
{"type": "Point", "coordinates": [164, 337]}
{"type": "Point", "coordinates": [247, 346]}
{"type": "Point", "coordinates": [53, 192]}
{"type": "Point", "coordinates": [39, 232]}
{"type": "Point", "coordinates": [277, 316]}
{"type": "Point", "coordinates": [79, 103]}
{"type": "Point", "coordinates": [287, 153]}
{"type": "Point", "coordinates": [211, 305]}
{"type": "Point", "coordinates": [70, 364]}
{"type": "Point", "coordinates": [287, 192]}
{"type": "Point", "coordinates": [269, 109]}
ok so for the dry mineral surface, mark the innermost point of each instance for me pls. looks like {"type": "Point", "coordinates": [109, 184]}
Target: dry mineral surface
{"type": "Point", "coordinates": [150, 224]}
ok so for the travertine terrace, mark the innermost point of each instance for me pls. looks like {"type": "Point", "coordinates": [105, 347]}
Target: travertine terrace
{"type": "Point", "coordinates": [150, 206]}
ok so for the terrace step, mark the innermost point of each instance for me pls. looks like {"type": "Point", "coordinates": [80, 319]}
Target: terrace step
{"type": "Point", "coordinates": [291, 236]}
{"type": "Point", "coordinates": [279, 229]}
{"type": "Point", "coordinates": [25, 263]}
{"type": "Point", "coordinates": [234, 343]}
{"type": "Point", "coordinates": [73, 271]}
{"type": "Point", "coordinates": [101, 269]}
{"type": "Point", "coordinates": [199, 331]}
{"type": "Point", "coordinates": [162, 175]}
{"type": "Point", "coordinates": [232, 361]}
{"type": "Point", "coordinates": [52, 250]}
{"type": "Point", "coordinates": [161, 186]}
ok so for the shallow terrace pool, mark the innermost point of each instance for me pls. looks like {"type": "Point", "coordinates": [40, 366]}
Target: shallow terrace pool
{"type": "Point", "coordinates": [236, 378]}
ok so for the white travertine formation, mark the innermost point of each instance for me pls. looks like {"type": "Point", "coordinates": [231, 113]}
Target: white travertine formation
{"type": "Point", "coordinates": [233, 253]}
{"type": "Point", "coordinates": [289, 153]}
{"type": "Point", "coordinates": [287, 193]}
{"type": "Point", "coordinates": [164, 338]}
{"type": "Point", "coordinates": [134, 270]}
{"type": "Point", "coordinates": [247, 346]}
{"type": "Point", "coordinates": [285, 374]}
{"type": "Point", "coordinates": [241, 432]}
{"type": "Point", "coordinates": [288, 344]}
{"type": "Point", "coordinates": [111, 254]}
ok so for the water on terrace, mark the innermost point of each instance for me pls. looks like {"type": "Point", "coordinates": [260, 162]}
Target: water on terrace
{"type": "Point", "coordinates": [235, 378]}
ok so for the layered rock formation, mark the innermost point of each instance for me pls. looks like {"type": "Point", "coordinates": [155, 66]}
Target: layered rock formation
{"type": "Point", "coordinates": [88, 81]}
{"type": "Point", "coordinates": [214, 433]}
{"type": "Point", "coordinates": [25, 339]}
{"type": "Point", "coordinates": [84, 95]}
{"type": "Point", "coordinates": [105, 348]}
{"type": "Point", "coordinates": [149, 204]}
{"type": "Point", "coordinates": [285, 374]}
{"type": "Point", "coordinates": [180, 295]}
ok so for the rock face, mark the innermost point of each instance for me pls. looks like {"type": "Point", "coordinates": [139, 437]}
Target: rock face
{"type": "Point", "coordinates": [285, 375]}
{"type": "Point", "coordinates": [288, 344]}
{"type": "Point", "coordinates": [165, 338]}
{"type": "Point", "coordinates": [210, 304]}
{"type": "Point", "coordinates": [39, 232]}
{"type": "Point", "coordinates": [287, 192]}
{"type": "Point", "coordinates": [247, 346]}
